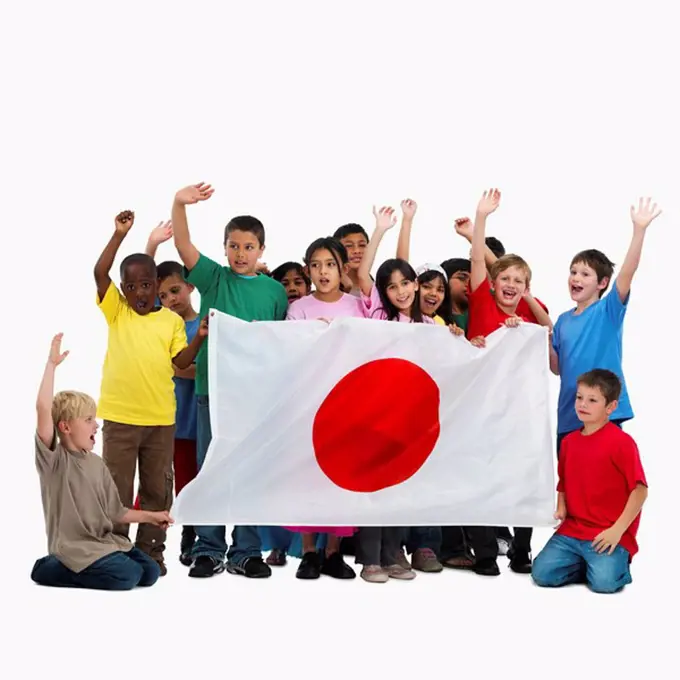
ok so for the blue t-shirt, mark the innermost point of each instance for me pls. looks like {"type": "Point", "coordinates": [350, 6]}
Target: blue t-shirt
{"type": "Point", "coordinates": [583, 342]}
{"type": "Point", "coordinates": [185, 393]}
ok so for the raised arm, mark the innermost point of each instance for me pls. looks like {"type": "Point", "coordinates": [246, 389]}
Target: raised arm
{"type": "Point", "coordinates": [489, 201]}
{"type": "Point", "coordinates": [124, 222]}
{"type": "Point", "coordinates": [642, 218]}
{"type": "Point", "coordinates": [161, 234]}
{"type": "Point", "coordinates": [385, 219]}
{"type": "Point", "coordinates": [45, 426]}
{"type": "Point", "coordinates": [464, 228]}
{"type": "Point", "coordinates": [408, 209]}
{"type": "Point", "coordinates": [180, 227]}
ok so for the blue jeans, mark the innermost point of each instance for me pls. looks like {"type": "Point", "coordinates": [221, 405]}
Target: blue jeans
{"type": "Point", "coordinates": [117, 571]}
{"type": "Point", "coordinates": [566, 560]}
{"type": "Point", "coordinates": [419, 538]}
{"type": "Point", "coordinates": [211, 540]}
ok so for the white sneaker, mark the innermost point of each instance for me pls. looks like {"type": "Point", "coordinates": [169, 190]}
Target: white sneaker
{"type": "Point", "coordinates": [374, 573]}
{"type": "Point", "coordinates": [398, 572]}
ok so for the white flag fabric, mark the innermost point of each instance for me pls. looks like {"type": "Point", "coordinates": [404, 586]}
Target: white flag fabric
{"type": "Point", "coordinates": [362, 423]}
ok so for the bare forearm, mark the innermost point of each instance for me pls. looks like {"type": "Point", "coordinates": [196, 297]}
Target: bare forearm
{"type": "Point", "coordinates": [478, 264]}
{"type": "Point", "coordinates": [636, 500]}
{"type": "Point", "coordinates": [561, 501]}
{"type": "Point", "coordinates": [364, 271]}
{"type": "Point", "coordinates": [404, 242]}
{"type": "Point", "coordinates": [151, 248]}
{"type": "Point", "coordinates": [554, 359]}
{"type": "Point", "coordinates": [188, 373]}
{"type": "Point", "coordinates": [180, 231]}
{"type": "Point", "coordinates": [43, 405]}
{"type": "Point", "coordinates": [630, 264]}
{"type": "Point", "coordinates": [134, 517]}
{"type": "Point", "coordinates": [541, 315]}
{"type": "Point", "coordinates": [105, 262]}
{"type": "Point", "coordinates": [188, 355]}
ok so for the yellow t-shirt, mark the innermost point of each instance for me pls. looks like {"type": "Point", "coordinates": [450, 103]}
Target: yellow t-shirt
{"type": "Point", "coordinates": [137, 385]}
{"type": "Point", "coordinates": [439, 320]}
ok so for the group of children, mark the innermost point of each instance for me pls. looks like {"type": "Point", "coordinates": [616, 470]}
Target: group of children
{"type": "Point", "coordinates": [154, 403]}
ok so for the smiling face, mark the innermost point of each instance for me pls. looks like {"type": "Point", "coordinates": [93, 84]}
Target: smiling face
{"type": "Point", "coordinates": [509, 287]}
{"type": "Point", "coordinates": [583, 284]}
{"type": "Point", "coordinates": [324, 272]}
{"type": "Point", "coordinates": [139, 286]}
{"type": "Point", "coordinates": [295, 285]}
{"type": "Point", "coordinates": [431, 295]}
{"type": "Point", "coordinates": [243, 250]}
{"type": "Point", "coordinates": [401, 292]}
{"type": "Point", "coordinates": [355, 245]}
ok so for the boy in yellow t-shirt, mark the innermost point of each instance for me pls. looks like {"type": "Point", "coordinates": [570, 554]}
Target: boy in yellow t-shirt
{"type": "Point", "coordinates": [137, 399]}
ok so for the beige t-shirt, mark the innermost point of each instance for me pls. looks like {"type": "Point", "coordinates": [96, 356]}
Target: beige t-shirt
{"type": "Point", "coordinates": [80, 503]}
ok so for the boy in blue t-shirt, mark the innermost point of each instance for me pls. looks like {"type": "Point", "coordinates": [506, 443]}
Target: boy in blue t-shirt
{"type": "Point", "coordinates": [590, 335]}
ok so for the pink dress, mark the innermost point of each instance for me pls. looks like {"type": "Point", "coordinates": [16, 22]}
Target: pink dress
{"type": "Point", "coordinates": [310, 308]}
{"type": "Point", "coordinates": [373, 309]}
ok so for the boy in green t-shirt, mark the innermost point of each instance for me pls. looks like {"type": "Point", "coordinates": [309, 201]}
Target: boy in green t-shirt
{"type": "Point", "coordinates": [240, 291]}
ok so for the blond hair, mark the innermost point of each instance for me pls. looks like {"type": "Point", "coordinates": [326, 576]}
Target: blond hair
{"type": "Point", "coordinates": [507, 261]}
{"type": "Point", "coordinates": [71, 405]}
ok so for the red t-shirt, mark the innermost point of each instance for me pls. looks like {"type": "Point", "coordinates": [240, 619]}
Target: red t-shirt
{"type": "Point", "coordinates": [597, 474]}
{"type": "Point", "coordinates": [485, 316]}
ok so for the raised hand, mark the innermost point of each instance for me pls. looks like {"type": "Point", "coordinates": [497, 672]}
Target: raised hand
{"type": "Point", "coordinates": [464, 227]}
{"type": "Point", "coordinates": [489, 201]}
{"type": "Point", "coordinates": [645, 213]}
{"type": "Point", "coordinates": [161, 234]}
{"type": "Point", "coordinates": [124, 221]}
{"type": "Point", "coordinates": [194, 193]}
{"type": "Point", "coordinates": [409, 207]}
{"type": "Point", "coordinates": [56, 355]}
{"type": "Point", "coordinates": [384, 218]}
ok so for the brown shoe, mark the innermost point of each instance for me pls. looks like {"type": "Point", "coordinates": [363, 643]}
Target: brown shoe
{"type": "Point", "coordinates": [425, 560]}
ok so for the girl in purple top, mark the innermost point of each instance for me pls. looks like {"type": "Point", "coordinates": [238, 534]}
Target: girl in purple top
{"type": "Point", "coordinates": [326, 261]}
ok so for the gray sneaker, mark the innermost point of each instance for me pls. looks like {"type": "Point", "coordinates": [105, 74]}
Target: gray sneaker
{"type": "Point", "coordinates": [424, 559]}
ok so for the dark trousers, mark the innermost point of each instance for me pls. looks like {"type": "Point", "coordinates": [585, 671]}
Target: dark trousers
{"type": "Point", "coordinates": [117, 571]}
{"type": "Point", "coordinates": [461, 541]}
{"type": "Point", "coordinates": [378, 545]}
{"type": "Point", "coordinates": [151, 448]}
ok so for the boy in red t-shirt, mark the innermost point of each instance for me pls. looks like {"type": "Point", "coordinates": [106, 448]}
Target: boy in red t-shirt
{"type": "Point", "coordinates": [601, 490]}
{"type": "Point", "coordinates": [496, 300]}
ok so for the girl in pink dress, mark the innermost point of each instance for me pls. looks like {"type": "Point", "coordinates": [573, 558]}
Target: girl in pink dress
{"type": "Point", "coordinates": [326, 261]}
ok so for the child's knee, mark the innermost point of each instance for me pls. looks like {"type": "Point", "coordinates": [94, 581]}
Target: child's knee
{"type": "Point", "coordinates": [543, 574]}
{"type": "Point", "coordinates": [608, 576]}
{"type": "Point", "coordinates": [151, 572]}
{"type": "Point", "coordinates": [129, 577]}
{"type": "Point", "coordinates": [39, 573]}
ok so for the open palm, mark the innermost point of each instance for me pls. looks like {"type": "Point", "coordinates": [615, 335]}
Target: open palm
{"type": "Point", "coordinates": [194, 193]}
{"type": "Point", "coordinates": [56, 355]}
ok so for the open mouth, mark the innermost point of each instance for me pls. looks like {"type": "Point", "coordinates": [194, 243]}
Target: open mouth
{"type": "Point", "coordinates": [142, 304]}
{"type": "Point", "coordinates": [323, 281]}
{"type": "Point", "coordinates": [430, 301]}
{"type": "Point", "coordinates": [576, 289]}
{"type": "Point", "coordinates": [508, 294]}
{"type": "Point", "coordinates": [92, 439]}
{"type": "Point", "coordinates": [293, 295]}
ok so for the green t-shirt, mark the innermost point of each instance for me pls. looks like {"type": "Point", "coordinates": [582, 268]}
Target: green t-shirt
{"type": "Point", "coordinates": [461, 320]}
{"type": "Point", "coordinates": [259, 298]}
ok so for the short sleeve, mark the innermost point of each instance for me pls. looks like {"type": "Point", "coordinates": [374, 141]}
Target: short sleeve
{"type": "Point", "coordinates": [45, 456]}
{"type": "Point", "coordinates": [614, 308]}
{"type": "Point", "coordinates": [296, 311]}
{"type": "Point", "coordinates": [179, 337]}
{"type": "Point", "coordinates": [626, 458]}
{"type": "Point", "coordinates": [205, 274]}
{"type": "Point", "coordinates": [112, 303]}
{"type": "Point", "coordinates": [114, 509]}
{"type": "Point", "coordinates": [439, 321]}
{"type": "Point", "coordinates": [371, 305]}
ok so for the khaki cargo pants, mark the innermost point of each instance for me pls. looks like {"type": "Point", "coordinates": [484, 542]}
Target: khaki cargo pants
{"type": "Point", "coordinates": [124, 448]}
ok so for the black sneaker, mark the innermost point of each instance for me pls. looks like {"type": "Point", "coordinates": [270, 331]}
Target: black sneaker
{"type": "Point", "coordinates": [520, 561]}
{"type": "Point", "coordinates": [487, 567]}
{"type": "Point", "coordinates": [310, 567]}
{"type": "Point", "coordinates": [252, 567]}
{"type": "Point", "coordinates": [205, 567]}
{"type": "Point", "coordinates": [335, 567]}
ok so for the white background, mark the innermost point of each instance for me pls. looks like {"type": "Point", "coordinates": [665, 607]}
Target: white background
{"type": "Point", "coordinates": [305, 114]}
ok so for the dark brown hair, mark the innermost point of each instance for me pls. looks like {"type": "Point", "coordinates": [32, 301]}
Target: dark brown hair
{"type": "Point", "coordinates": [607, 382]}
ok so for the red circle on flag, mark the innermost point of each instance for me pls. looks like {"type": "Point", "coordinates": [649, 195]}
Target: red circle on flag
{"type": "Point", "coordinates": [377, 426]}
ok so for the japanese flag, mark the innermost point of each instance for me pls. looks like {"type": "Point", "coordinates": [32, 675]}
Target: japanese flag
{"type": "Point", "coordinates": [362, 422]}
